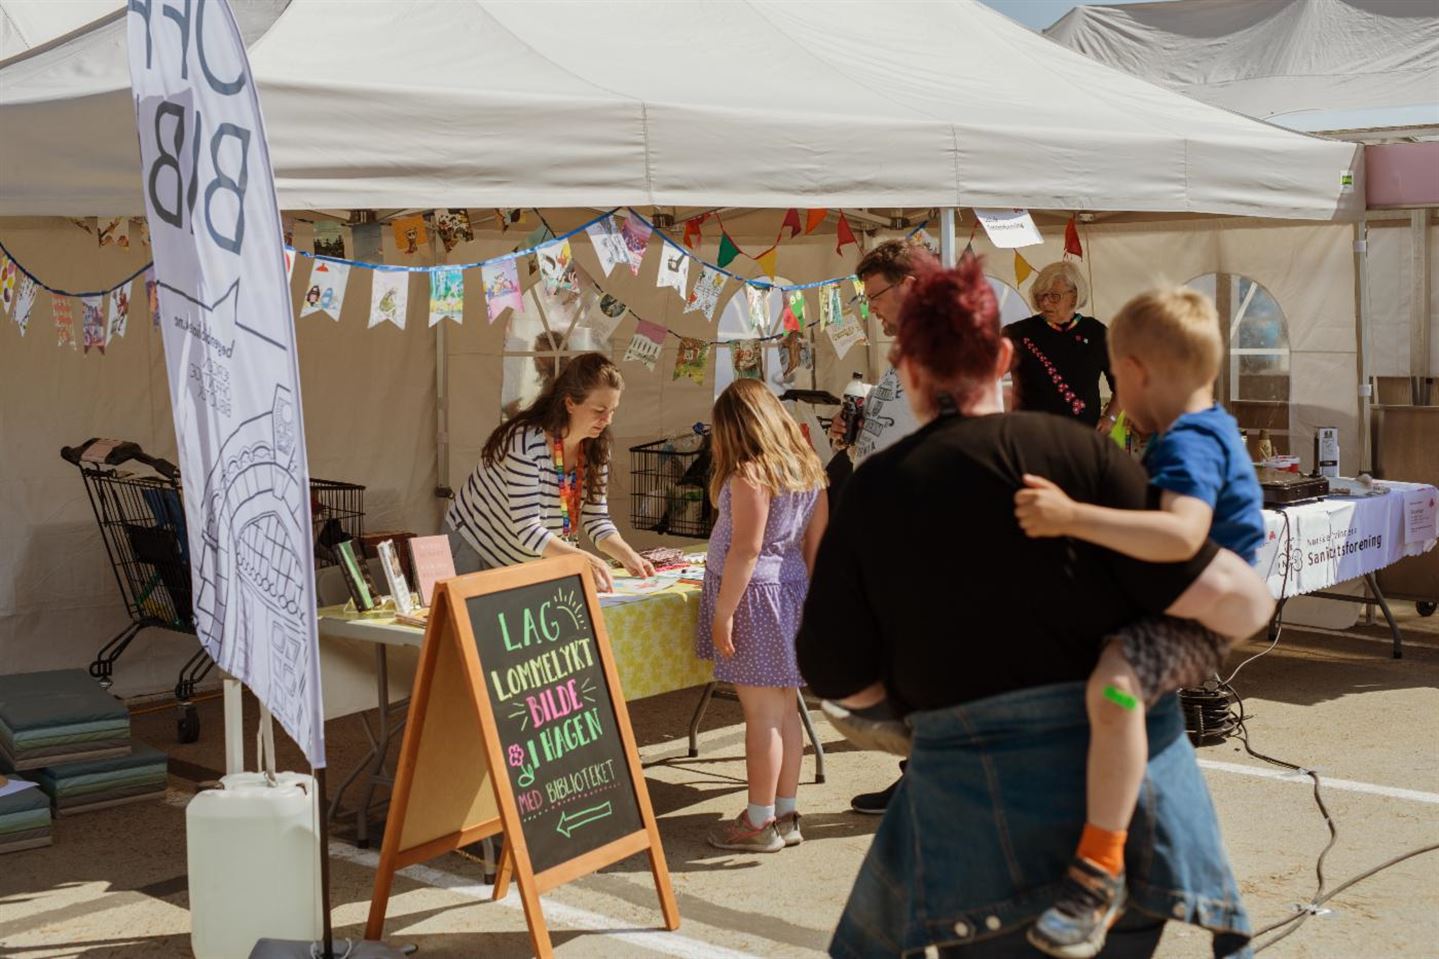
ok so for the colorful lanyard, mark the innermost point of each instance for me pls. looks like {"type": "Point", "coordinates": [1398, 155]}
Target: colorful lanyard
{"type": "Point", "coordinates": [570, 485]}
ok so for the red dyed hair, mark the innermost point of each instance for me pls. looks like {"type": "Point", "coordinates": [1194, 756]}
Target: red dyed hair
{"type": "Point", "coordinates": [949, 327]}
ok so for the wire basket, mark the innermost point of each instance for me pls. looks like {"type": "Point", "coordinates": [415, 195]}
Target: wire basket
{"type": "Point", "coordinates": [669, 488]}
{"type": "Point", "coordinates": [337, 511]}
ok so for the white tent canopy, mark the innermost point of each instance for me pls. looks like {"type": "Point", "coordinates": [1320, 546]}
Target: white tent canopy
{"type": "Point", "coordinates": [762, 103]}
{"type": "Point", "coordinates": [1310, 64]}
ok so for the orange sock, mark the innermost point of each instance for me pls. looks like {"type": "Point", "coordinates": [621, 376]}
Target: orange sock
{"type": "Point", "coordinates": [1103, 848]}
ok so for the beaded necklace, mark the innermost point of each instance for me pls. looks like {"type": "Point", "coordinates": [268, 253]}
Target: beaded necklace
{"type": "Point", "coordinates": [571, 483]}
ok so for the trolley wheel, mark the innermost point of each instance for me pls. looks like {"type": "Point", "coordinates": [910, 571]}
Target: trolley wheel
{"type": "Point", "coordinates": [1426, 607]}
{"type": "Point", "coordinates": [188, 727]}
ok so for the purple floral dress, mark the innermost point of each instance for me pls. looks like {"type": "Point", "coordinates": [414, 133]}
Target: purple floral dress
{"type": "Point", "coordinates": [767, 618]}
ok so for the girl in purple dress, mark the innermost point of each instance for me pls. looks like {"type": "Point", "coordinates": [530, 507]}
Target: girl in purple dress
{"type": "Point", "coordinates": [766, 484]}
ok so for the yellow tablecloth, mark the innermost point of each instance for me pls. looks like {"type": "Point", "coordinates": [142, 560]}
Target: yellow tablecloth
{"type": "Point", "coordinates": [654, 642]}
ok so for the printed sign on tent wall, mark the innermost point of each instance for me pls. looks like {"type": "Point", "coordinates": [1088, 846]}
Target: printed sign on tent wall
{"type": "Point", "coordinates": [502, 288]}
{"type": "Point", "coordinates": [1009, 229]}
{"type": "Point", "coordinates": [646, 344]}
{"type": "Point", "coordinates": [389, 298]}
{"type": "Point", "coordinates": [705, 296]}
{"type": "Point", "coordinates": [636, 235]}
{"type": "Point", "coordinates": [447, 295]}
{"type": "Point", "coordinates": [609, 245]}
{"type": "Point", "coordinates": [326, 293]}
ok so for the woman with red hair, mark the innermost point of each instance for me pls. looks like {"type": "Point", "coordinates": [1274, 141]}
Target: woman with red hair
{"type": "Point", "coordinates": [981, 646]}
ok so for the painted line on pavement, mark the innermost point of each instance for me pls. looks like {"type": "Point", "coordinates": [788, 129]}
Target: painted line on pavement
{"type": "Point", "coordinates": [657, 940]}
{"type": "Point", "coordinates": [1328, 782]}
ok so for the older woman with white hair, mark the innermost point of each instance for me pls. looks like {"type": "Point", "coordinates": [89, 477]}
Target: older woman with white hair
{"type": "Point", "coordinates": [1059, 353]}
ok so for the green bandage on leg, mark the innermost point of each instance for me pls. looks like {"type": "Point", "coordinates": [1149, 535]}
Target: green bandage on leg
{"type": "Point", "coordinates": [1120, 699]}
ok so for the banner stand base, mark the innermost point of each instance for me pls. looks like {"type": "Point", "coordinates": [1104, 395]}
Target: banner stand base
{"type": "Point", "coordinates": [344, 949]}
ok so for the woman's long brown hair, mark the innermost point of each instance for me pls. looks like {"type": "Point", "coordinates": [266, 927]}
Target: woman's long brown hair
{"type": "Point", "coordinates": [754, 436]}
{"type": "Point", "coordinates": [581, 376]}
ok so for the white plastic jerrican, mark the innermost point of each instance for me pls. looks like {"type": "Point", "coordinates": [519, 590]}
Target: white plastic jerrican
{"type": "Point", "coordinates": [253, 852]}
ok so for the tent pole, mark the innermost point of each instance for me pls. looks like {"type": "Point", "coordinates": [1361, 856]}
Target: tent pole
{"type": "Point", "coordinates": [1361, 336]}
{"type": "Point", "coordinates": [946, 237]}
{"type": "Point", "coordinates": [1419, 293]}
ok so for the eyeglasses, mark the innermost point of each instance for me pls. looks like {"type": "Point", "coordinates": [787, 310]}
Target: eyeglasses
{"type": "Point", "coordinates": [1052, 297]}
{"type": "Point", "coordinates": [876, 296]}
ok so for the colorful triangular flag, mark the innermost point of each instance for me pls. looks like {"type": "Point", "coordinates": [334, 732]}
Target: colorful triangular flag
{"type": "Point", "coordinates": [692, 359]}
{"type": "Point", "coordinates": [502, 288]}
{"type": "Point", "coordinates": [813, 218]}
{"type": "Point", "coordinates": [693, 235]}
{"type": "Point", "coordinates": [389, 298]}
{"type": "Point", "coordinates": [791, 220]}
{"type": "Point", "coordinates": [674, 269]}
{"type": "Point", "coordinates": [769, 262]}
{"type": "Point", "coordinates": [1022, 269]}
{"type": "Point", "coordinates": [705, 296]}
{"type": "Point", "coordinates": [1071, 239]}
{"type": "Point", "coordinates": [326, 290]}
{"type": "Point", "coordinates": [727, 251]}
{"type": "Point", "coordinates": [843, 234]}
{"type": "Point", "coordinates": [646, 344]}
{"type": "Point", "coordinates": [447, 295]}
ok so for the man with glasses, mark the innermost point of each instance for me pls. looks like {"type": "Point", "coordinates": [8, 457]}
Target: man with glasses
{"type": "Point", "coordinates": [887, 274]}
{"type": "Point", "coordinates": [1060, 354]}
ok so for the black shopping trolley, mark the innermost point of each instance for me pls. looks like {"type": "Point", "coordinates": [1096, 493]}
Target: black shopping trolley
{"type": "Point", "coordinates": [142, 523]}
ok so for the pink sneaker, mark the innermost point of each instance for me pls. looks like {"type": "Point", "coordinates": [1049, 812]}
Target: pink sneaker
{"type": "Point", "coordinates": [737, 834]}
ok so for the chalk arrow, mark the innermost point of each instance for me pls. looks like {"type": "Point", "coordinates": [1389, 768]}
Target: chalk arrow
{"type": "Point", "coordinates": [570, 822]}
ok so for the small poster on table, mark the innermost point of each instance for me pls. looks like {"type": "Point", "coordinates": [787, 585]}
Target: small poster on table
{"type": "Point", "coordinates": [395, 576]}
{"type": "Point", "coordinates": [432, 562]}
{"type": "Point", "coordinates": [1420, 508]}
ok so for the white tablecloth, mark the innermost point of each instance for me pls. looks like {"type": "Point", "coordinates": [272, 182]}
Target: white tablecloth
{"type": "Point", "coordinates": [1313, 546]}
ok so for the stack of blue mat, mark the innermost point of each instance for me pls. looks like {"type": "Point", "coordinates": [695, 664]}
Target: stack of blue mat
{"type": "Point", "coordinates": [24, 817]}
{"type": "Point", "coordinates": [56, 717]}
{"type": "Point", "coordinates": [98, 783]}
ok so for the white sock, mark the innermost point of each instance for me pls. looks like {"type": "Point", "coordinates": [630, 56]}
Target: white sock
{"type": "Point", "coordinates": [759, 815]}
{"type": "Point", "coordinates": [784, 805]}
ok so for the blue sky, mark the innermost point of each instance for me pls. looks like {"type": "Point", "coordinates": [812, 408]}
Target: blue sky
{"type": "Point", "coordinates": [1038, 14]}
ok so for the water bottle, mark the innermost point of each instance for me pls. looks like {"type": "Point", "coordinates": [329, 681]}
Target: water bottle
{"type": "Point", "coordinates": [851, 408]}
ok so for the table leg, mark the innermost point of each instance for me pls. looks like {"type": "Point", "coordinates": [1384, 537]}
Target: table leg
{"type": "Point", "coordinates": [699, 715]}
{"type": "Point", "coordinates": [1373, 584]}
{"type": "Point", "coordinates": [813, 737]}
{"type": "Point", "coordinates": [382, 747]}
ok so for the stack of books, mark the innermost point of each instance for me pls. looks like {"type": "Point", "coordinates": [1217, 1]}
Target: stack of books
{"type": "Point", "coordinates": [24, 816]}
{"type": "Point", "coordinates": [100, 783]}
{"type": "Point", "coordinates": [58, 716]}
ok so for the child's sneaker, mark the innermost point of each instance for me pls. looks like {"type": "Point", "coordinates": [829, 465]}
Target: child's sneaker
{"type": "Point", "coordinates": [1090, 901]}
{"type": "Point", "coordinates": [788, 828]}
{"type": "Point", "coordinates": [737, 834]}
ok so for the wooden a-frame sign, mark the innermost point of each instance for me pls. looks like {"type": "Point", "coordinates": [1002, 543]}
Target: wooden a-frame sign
{"type": "Point", "coordinates": [517, 725]}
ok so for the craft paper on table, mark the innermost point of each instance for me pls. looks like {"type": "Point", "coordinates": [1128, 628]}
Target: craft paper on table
{"type": "Point", "coordinates": [326, 293]}
{"type": "Point", "coordinates": [389, 298]}
{"type": "Point", "coordinates": [705, 295]}
{"type": "Point", "coordinates": [1420, 507]}
{"type": "Point", "coordinates": [845, 335]}
{"type": "Point", "coordinates": [93, 322]}
{"type": "Point", "coordinates": [674, 269]}
{"type": "Point", "coordinates": [25, 302]}
{"type": "Point", "coordinates": [758, 298]}
{"type": "Point", "coordinates": [636, 234]}
{"type": "Point", "coordinates": [692, 359]}
{"type": "Point", "coordinates": [329, 241]}
{"type": "Point", "coordinates": [609, 245]}
{"type": "Point", "coordinates": [747, 357]}
{"type": "Point", "coordinates": [646, 344]}
{"type": "Point", "coordinates": [557, 267]}
{"type": "Point", "coordinates": [432, 561]}
{"type": "Point", "coordinates": [453, 226]}
{"type": "Point", "coordinates": [502, 288]}
{"type": "Point", "coordinates": [831, 305]}
{"type": "Point", "coordinates": [410, 233]}
{"type": "Point", "coordinates": [859, 300]}
{"type": "Point", "coordinates": [447, 295]}
{"type": "Point", "coordinates": [119, 311]}
{"type": "Point", "coordinates": [1009, 229]}
{"type": "Point", "coordinates": [395, 576]}
{"type": "Point", "coordinates": [369, 242]}
{"type": "Point", "coordinates": [64, 321]}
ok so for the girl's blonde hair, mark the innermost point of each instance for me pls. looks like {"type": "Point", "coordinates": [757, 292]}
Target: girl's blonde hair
{"type": "Point", "coordinates": [754, 437]}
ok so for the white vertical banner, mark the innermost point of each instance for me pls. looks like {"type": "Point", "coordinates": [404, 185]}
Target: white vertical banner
{"type": "Point", "coordinates": [229, 333]}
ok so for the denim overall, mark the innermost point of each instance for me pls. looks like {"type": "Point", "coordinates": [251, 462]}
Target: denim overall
{"type": "Point", "coordinates": [988, 815]}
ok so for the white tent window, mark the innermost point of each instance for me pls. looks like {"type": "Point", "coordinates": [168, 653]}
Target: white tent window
{"type": "Point", "coordinates": [1254, 378]}
{"type": "Point", "coordinates": [538, 341]}
{"type": "Point", "coordinates": [734, 325]}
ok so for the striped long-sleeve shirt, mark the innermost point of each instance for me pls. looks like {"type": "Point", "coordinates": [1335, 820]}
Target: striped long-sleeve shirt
{"type": "Point", "coordinates": [511, 511]}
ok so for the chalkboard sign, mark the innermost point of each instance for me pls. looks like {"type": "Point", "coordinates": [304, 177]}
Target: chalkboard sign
{"type": "Point", "coordinates": [517, 725]}
{"type": "Point", "coordinates": [556, 719]}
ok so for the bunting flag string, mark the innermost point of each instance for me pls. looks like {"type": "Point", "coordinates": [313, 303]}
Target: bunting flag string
{"type": "Point", "coordinates": [1022, 269]}
{"type": "Point", "coordinates": [791, 220]}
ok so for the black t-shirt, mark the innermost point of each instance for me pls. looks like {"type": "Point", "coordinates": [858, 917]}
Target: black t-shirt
{"type": "Point", "coordinates": [925, 580]}
{"type": "Point", "coordinates": [1079, 357]}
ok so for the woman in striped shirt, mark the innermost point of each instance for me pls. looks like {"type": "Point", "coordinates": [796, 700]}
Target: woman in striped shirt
{"type": "Point", "coordinates": [542, 477]}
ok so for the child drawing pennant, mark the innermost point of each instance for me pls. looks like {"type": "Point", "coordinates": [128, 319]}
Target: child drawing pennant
{"type": "Point", "coordinates": [389, 298]}
{"type": "Point", "coordinates": [692, 359]}
{"type": "Point", "coordinates": [447, 295]}
{"type": "Point", "coordinates": [646, 344]}
{"type": "Point", "coordinates": [326, 293]}
{"type": "Point", "coordinates": [557, 267]}
{"type": "Point", "coordinates": [636, 233]}
{"type": "Point", "coordinates": [674, 270]}
{"type": "Point", "coordinates": [119, 312]}
{"type": "Point", "coordinates": [609, 245]}
{"type": "Point", "coordinates": [25, 302]}
{"type": "Point", "coordinates": [64, 321]}
{"type": "Point", "coordinates": [93, 322]}
{"type": "Point", "coordinates": [705, 295]}
{"type": "Point", "coordinates": [502, 288]}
